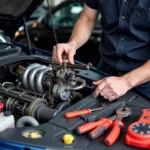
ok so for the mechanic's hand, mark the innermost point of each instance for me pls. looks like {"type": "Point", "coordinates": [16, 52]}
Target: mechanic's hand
{"type": "Point", "coordinates": [67, 48]}
{"type": "Point", "coordinates": [111, 87]}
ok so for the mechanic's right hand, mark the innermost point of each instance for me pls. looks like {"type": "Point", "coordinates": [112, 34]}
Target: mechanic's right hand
{"type": "Point", "coordinates": [60, 49]}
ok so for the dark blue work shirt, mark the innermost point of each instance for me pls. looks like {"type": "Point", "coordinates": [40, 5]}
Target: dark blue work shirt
{"type": "Point", "coordinates": [125, 43]}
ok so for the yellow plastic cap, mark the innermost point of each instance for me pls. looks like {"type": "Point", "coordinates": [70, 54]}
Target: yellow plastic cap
{"type": "Point", "coordinates": [68, 139]}
{"type": "Point", "coordinates": [34, 135]}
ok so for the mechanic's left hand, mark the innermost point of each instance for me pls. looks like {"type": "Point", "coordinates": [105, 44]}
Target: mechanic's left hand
{"type": "Point", "coordinates": [111, 87]}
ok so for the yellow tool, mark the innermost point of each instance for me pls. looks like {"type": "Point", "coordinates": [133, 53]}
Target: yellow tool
{"type": "Point", "coordinates": [68, 139]}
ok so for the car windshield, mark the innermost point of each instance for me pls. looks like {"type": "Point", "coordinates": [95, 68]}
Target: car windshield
{"type": "Point", "coordinates": [5, 42]}
{"type": "Point", "coordinates": [38, 12]}
{"type": "Point", "coordinates": [67, 15]}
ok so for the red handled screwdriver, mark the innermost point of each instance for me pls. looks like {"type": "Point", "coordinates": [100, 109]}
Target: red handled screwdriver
{"type": "Point", "coordinates": [81, 112]}
{"type": "Point", "coordinates": [99, 130]}
{"type": "Point", "coordinates": [89, 126]}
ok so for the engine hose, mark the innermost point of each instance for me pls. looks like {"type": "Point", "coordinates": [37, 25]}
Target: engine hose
{"type": "Point", "coordinates": [62, 106]}
{"type": "Point", "coordinates": [44, 114]}
{"type": "Point", "coordinates": [80, 81]}
{"type": "Point", "coordinates": [26, 120]}
{"type": "Point", "coordinates": [77, 97]}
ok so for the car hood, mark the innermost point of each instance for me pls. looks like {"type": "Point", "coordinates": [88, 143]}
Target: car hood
{"type": "Point", "coordinates": [12, 13]}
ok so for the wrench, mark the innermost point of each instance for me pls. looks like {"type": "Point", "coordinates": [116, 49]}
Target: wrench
{"type": "Point", "coordinates": [117, 125]}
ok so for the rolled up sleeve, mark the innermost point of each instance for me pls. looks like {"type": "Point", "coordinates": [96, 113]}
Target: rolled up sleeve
{"type": "Point", "coordinates": [92, 4]}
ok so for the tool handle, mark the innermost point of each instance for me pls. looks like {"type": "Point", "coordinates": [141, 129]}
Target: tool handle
{"type": "Point", "coordinates": [77, 113]}
{"type": "Point", "coordinates": [98, 131]}
{"type": "Point", "coordinates": [115, 132]}
{"type": "Point", "coordinates": [145, 117]}
{"type": "Point", "coordinates": [89, 126]}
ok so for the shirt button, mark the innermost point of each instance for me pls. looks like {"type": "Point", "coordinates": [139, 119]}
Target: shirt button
{"type": "Point", "coordinates": [122, 38]}
{"type": "Point", "coordinates": [123, 17]}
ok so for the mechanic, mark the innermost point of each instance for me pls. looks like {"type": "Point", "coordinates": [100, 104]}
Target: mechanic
{"type": "Point", "coordinates": [124, 46]}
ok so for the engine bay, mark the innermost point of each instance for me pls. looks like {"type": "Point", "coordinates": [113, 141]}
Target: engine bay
{"type": "Point", "coordinates": [41, 90]}
{"type": "Point", "coordinates": [35, 95]}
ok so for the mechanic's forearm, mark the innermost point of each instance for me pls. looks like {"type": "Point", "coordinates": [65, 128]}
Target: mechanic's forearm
{"type": "Point", "coordinates": [81, 33]}
{"type": "Point", "coordinates": [84, 27]}
{"type": "Point", "coordinates": [139, 75]}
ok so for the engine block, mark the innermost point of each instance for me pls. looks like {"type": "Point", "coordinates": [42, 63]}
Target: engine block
{"type": "Point", "coordinates": [41, 91]}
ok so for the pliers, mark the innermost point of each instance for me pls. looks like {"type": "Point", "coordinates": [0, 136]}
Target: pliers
{"type": "Point", "coordinates": [99, 127]}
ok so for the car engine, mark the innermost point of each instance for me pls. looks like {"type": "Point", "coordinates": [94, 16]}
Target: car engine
{"type": "Point", "coordinates": [41, 90]}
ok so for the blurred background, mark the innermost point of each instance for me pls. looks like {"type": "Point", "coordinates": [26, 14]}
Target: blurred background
{"type": "Point", "coordinates": [65, 14]}
{"type": "Point", "coordinates": [53, 2]}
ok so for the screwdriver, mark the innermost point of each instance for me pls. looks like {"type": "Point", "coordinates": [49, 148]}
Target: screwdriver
{"type": "Point", "coordinates": [89, 126]}
{"type": "Point", "coordinates": [99, 130]}
{"type": "Point", "coordinates": [81, 112]}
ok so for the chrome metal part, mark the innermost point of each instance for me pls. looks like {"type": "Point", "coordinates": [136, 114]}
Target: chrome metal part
{"type": "Point", "coordinates": [32, 77]}
{"type": "Point", "coordinates": [38, 89]}
{"type": "Point", "coordinates": [39, 79]}
{"type": "Point", "coordinates": [26, 73]}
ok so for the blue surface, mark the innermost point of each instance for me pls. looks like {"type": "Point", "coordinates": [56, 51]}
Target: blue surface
{"type": "Point", "coordinates": [4, 145]}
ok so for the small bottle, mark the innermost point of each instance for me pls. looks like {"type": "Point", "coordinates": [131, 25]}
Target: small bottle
{"type": "Point", "coordinates": [6, 119]}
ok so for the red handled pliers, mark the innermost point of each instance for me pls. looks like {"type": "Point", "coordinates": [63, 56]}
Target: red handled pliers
{"type": "Point", "coordinates": [99, 127]}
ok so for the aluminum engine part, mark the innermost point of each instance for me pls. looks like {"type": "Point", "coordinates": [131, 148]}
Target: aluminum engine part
{"type": "Point", "coordinates": [40, 91]}
{"type": "Point", "coordinates": [39, 79]}
{"type": "Point", "coordinates": [26, 73]}
{"type": "Point", "coordinates": [55, 81]}
{"type": "Point", "coordinates": [33, 77]}
{"type": "Point", "coordinates": [59, 92]}
{"type": "Point", "coordinates": [35, 105]}
{"type": "Point", "coordinates": [21, 102]}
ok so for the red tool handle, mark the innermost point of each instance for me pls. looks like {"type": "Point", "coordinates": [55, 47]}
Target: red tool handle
{"type": "Point", "coordinates": [145, 116]}
{"type": "Point", "coordinates": [89, 126]}
{"type": "Point", "coordinates": [136, 139]}
{"type": "Point", "coordinates": [100, 129]}
{"type": "Point", "coordinates": [77, 113]}
{"type": "Point", "coordinates": [115, 132]}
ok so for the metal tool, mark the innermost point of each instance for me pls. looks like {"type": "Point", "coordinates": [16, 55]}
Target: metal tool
{"type": "Point", "coordinates": [99, 130]}
{"type": "Point", "coordinates": [81, 112]}
{"type": "Point", "coordinates": [138, 134]}
{"type": "Point", "coordinates": [117, 126]}
{"type": "Point", "coordinates": [64, 63]}
{"type": "Point", "coordinates": [87, 67]}
{"type": "Point", "coordinates": [89, 126]}
{"type": "Point", "coordinates": [75, 66]}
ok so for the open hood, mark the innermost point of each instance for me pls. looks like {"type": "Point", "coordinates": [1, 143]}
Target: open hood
{"type": "Point", "coordinates": [12, 13]}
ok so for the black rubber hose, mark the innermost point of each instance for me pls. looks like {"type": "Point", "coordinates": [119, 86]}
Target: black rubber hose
{"type": "Point", "coordinates": [62, 106]}
{"type": "Point", "coordinates": [26, 120]}
{"type": "Point", "coordinates": [44, 114]}
{"type": "Point", "coordinates": [77, 97]}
